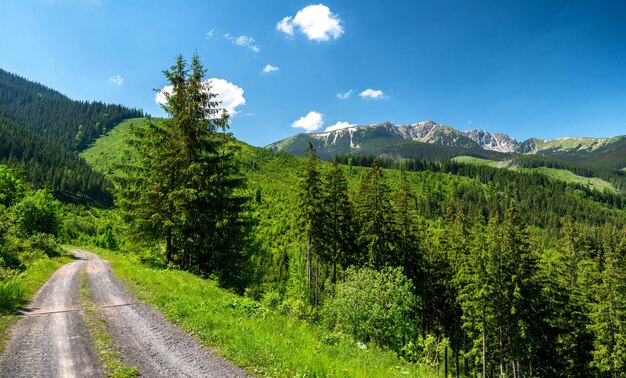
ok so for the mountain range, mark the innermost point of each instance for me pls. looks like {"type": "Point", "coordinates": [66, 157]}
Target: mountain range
{"type": "Point", "coordinates": [429, 139]}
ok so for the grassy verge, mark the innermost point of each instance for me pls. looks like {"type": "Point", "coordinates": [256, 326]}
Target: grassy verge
{"type": "Point", "coordinates": [108, 355]}
{"type": "Point", "coordinates": [15, 293]}
{"type": "Point", "coordinates": [265, 342]}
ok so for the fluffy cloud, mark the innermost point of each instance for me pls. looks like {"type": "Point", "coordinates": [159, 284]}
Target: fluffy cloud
{"type": "Point", "coordinates": [269, 68]}
{"type": "Point", "coordinates": [317, 22]}
{"type": "Point", "coordinates": [339, 126]}
{"type": "Point", "coordinates": [344, 95]}
{"type": "Point", "coordinates": [244, 41]}
{"type": "Point", "coordinates": [375, 94]}
{"type": "Point", "coordinates": [310, 122]}
{"type": "Point", "coordinates": [210, 34]}
{"type": "Point", "coordinates": [229, 95]}
{"type": "Point", "coordinates": [285, 26]}
{"type": "Point", "coordinates": [116, 80]}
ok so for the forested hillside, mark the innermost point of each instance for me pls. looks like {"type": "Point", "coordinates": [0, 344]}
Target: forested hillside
{"type": "Point", "coordinates": [437, 222]}
{"type": "Point", "coordinates": [39, 130]}
{"type": "Point", "coordinates": [71, 124]}
{"type": "Point", "coordinates": [45, 164]}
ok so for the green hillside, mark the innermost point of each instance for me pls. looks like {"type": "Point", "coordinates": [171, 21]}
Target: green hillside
{"type": "Point", "coordinates": [107, 150]}
{"type": "Point", "coordinates": [48, 113]}
{"type": "Point", "coordinates": [39, 131]}
{"type": "Point", "coordinates": [601, 152]}
{"type": "Point", "coordinates": [46, 164]}
{"type": "Point", "coordinates": [558, 174]}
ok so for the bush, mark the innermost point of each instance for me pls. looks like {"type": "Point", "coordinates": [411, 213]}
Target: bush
{"type": "Point", "coordinates": [106, 239]}
{"type": "Point", "coordinates": [271, 300]}
{"type": "Point", "coordinates": [38, 213]}
{"type": "Point", "coordinates": [45, 243]}
{"type": "Point", "coordinates": [153, 257]}
{"type": "Point", "coordinates": [374, 306]}
{"type": "Point", "coordinates": [11, 188]}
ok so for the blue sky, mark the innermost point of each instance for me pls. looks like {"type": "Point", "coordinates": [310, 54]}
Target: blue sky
{"type": "Point", "coordinates": [527, 68]}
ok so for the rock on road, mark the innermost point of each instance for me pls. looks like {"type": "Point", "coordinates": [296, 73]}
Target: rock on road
{"type": "Point", "coordinates": [58, 344]}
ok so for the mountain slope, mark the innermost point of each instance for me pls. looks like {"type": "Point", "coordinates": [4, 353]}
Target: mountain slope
{"type": "Point", "coordinates": [386, 139]}
{"type": "Point", "coordinates": [602, 152]}
{"type": "Point", "coordinates": [72, 124]}
{"type": "Point", "coordinates": [46, 164]}
{"type": "Point", "coordinates": [424, 140]}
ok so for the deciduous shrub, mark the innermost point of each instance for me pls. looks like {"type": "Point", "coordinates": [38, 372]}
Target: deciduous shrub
{"type": "Point", "coordinates": [374, 305]}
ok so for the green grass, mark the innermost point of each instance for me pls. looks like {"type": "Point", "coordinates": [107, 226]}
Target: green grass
{"type": "Point", "coordinates": [572, 144]}
{"type": "Point", "coordinates": [567, 176]}
{"type": "Point", "coordinates": [558, 174]}
{"type": "Point", "coordinates": [106, 348]}
{"type": "Point", "coordinates": [479, 161]}
{"type": "Point", "coordinates": [15, 293]}
{"type": "Point", "coordinates": [265, 342]}
{"type": "Point", "coordinates": [106, 151]}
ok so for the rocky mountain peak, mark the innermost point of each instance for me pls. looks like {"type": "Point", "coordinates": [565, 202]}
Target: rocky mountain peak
{"type": "Point", "coordinates": [495, 142]}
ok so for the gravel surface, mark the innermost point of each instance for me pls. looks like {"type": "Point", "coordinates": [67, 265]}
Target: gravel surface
{"type": "Point", "coordinates": [146, 339]}
{"type": "Point", "coordinates": [54, 344]}
{"type": "Point", "coordinates": [46, 343]}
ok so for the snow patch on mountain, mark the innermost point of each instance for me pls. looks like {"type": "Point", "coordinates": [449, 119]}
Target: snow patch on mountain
{"type": "Point", "coordinates": [495, 142]}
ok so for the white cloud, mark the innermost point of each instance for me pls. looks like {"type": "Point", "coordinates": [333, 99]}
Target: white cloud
{"type": "Point", "coordinates": [244, 41]}
{"type": "Point", "coordinates": [317, 22]}
{"type": "Point", "coordinates": [310, 122]}
{"type": "Point", "coordinates": [339, 126]}
{"type": "Point", "coordinates": [210, 34]}
{"type": "Point", "coordinates": [375, 94]}
{"type": "Point", "coordinates": [116, 80]}
{"type": "Point", "coordinates": [269, 68]}
{"type": "Point", "coordinates": [285, 26]}
{"type": "Point", "coordinates": [229, 95]}
{"type": "Point", "coordinates": [345, 95]}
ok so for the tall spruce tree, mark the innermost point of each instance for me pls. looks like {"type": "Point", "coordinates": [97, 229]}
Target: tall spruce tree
{"type": "Point", "coordinates": [184, 184]}
{"type": "Point", "coordinates": [312, 218]}
{"type": "Point", "coordinates": [339, 224]}
{"type": "Point", "coordinates": [608, 315]}
{"type": "Point", "coordinates": [377, 234]}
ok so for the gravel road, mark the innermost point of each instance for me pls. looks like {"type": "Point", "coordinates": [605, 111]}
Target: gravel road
{"type": "Point", "coordinates": [54, 344]}
{"type": "Point", "coordinates": [146, 338]}
{"type": "Point", "coordinates": [58, 345]}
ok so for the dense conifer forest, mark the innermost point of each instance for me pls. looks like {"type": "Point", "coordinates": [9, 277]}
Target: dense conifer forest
{"type": "Point", "coordinates": [39, 131]}
{"type": "Point", "coordinates": [71, 124]}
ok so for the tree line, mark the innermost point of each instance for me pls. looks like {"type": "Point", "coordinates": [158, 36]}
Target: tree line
{"type": "Point", "coordinates": [482, 289]}
{"type": "Point", "coordinates": [543, 201]}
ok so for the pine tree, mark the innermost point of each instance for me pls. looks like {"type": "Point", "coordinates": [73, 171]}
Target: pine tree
{"type": "Point", "coordinates": [184, 185]}
{"type": "Point", "coordinates": [312, 217]}
{"type": "Point", "coordinates": [377, 236]}
{"type": "Point", "coordinates": [608, 316]}
{"type": "Point", "coordinates": [339, 223]}
{"type": "Point", "coordinates": [408, 254]}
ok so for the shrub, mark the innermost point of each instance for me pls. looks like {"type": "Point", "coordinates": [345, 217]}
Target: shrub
{"type": "Point", "coordinates": [374, 306]}
{"type": "Point", "coordinates": [38, 213]}
{"type": "Point", "coordinates": [153, 257]}
{"type": "Point", "coordinates": [11, 188]}
{"type": "Point", "coordinates": [45, 243]}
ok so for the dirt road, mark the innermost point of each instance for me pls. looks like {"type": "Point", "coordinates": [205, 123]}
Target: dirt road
{"type": "Point", "coordinates": [54, 344]}
{"type": "Point", "coordinates": [58, 345]}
